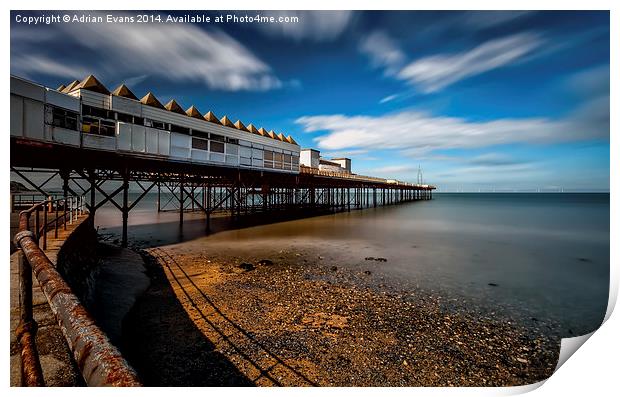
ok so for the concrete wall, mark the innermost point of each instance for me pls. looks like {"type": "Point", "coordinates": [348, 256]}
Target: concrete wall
{"type": "Point", "coordinates": [77, 261]}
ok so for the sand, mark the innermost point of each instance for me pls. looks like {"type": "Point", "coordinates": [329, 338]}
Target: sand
{"type": "Point", "coordinates": [286, 318]}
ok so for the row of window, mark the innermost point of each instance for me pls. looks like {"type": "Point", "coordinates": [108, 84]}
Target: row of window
{"type": "Point", "coordinates": [160, 125]}
{"type": "Point", "coordinates": [62, 118]}
{"type": "Point", "coordinates": [102, 122]}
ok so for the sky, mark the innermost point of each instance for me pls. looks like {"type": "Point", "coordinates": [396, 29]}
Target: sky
{"type": "Point", "coordinates": [480, 101]}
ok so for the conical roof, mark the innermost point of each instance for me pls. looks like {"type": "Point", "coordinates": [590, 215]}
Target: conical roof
{"type": "Point", "coordinates": [226, 121]}
{"type": "Point", "coordinates": [71, 86]}
{"type": "Point", "coordinates": [173, 106]}
{"type": "Point", "coordinates": [193, 112]}
{"type": "Point", "coordinates": [281, 137]}
{"type": "Point", "coordinates": [240, 126]}
{"type": "Point", "coordinates": [90, 83]}
{"type": "Point", "coordinates": [61, 87]}
{"type": "Point", "coordinates": [262, 131]}
{"type": "Point", "coordinates": [290, 139]}
{"type": "Point", "coordinates": [124, 91]}
{"type": "Point", "coordinates": [212, 117]}
{"type": "Point", "coordinates": [252, 129]}
{"type": "Point", "coordinates": [271, 134]}
{"type": "Point", "coordinates": [149, 99]}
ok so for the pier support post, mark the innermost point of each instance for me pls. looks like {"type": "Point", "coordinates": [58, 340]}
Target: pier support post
{"type": "Point", "coordinates": [158, 197]}
{"type": "Point", "coordinates": [93, 203]}
{"type": "Point", "coordinates": [181, 202]}
{"type": "Point", "coordinates": [125, 208]}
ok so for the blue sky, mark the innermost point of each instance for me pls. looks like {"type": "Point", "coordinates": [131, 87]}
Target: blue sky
{"type": "Point", "coordinates": [480, 100]}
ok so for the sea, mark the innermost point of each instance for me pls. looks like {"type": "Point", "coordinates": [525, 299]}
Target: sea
{"type": "Point", "coordinates": [539, 257]}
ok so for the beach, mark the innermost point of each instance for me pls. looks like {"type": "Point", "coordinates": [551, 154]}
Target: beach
{"type": "Point", "coordinates": [293, 320]}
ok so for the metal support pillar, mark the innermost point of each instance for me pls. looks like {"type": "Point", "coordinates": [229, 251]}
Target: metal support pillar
{"type": "Point", "coordinates": [125, 207]}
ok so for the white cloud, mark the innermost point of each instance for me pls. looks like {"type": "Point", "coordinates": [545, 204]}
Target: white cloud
{"type": "Point", "coordinates": [414, 133]}
{"type": "Point", "coordinates": [389, 98]}
{"type": "Point", "coordinates": [436, 72]}
{"type": "Point", "coordinates": [312, 25]}
{"type": "Point", "coordinates": [382, 51]}
{"type": "Point", "coordinates": [176, 52]}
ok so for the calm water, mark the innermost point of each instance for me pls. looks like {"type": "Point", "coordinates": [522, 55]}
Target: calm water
{"type": "Point", "coordinates": [547, 253]}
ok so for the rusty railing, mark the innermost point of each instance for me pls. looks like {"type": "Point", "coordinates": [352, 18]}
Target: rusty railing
{"type": "Point", "coordinates": [100, 362]}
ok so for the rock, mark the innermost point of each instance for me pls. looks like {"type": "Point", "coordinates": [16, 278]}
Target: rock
{"type": "Point", "coordinates": [367, 272]}
{"type": "Point", "coordinates": [493, 284]}
{"type": "Point", "coordinates": [522, 360]}
{"type": "Point", "coordinates": [265, 262]}
{"type": "Point", "coordinates": [381, 260]}
{"type": "Point", "coordinates": [334, 268]}
{"type": "Point", "coordinates": [369, 258]}
{"type": "Point", "coordinates": [246, 266]}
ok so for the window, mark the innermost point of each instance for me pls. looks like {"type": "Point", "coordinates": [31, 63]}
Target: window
{"type": "Point", "coordinates": [91, 125]}
{"type": "Point", "coordinates": [98, 121]}
{"type": "Point", "coordinates": [62, 118]}
{"type": "Point", "coordinates": [268, 155]}
{"type": "Point", "coordinates": [201, 134]}
{"type": "Point", "coordinates": [160, 125]}
{"type": "Point", "coordinates": [217, 147]}
{"type": "Point", "coordinates": [107, 127]}
{"type": "Point", "coordinates": [125, 118]}
{"type": "Point", "coordinates": [96, 112]}
{"type": "Point", "coordinates": [201, 144]}
{"type": "Point", "coordinates": [277, 157]}
{"type": "Point", "coordinates": [218, 138]}
{"type": "Point", "coordinates": [232, 140]}
{"type": "Point", "coordinates": [179, 129]}
{"type": "Point", "coordinates": [287, 158]}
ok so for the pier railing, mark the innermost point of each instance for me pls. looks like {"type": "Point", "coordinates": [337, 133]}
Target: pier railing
{"type": "Point", "coordinates": [333, 174]}
{"type": "Point", "coordinates": [100, 362]}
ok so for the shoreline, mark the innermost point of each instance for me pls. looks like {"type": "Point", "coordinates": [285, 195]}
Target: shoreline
{"type": "Point", "coordinates": [291, 319]}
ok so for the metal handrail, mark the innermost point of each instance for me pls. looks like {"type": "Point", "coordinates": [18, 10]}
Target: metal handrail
{"type": "Point", "coordinates": [100, 362]}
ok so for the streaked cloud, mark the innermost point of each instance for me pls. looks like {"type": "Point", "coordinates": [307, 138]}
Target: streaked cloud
{"type": "Point", "coordinates": [179, 52]}
{"type": "Point", "coordinates": [312, 26]}
{"type": "Point", "coordinates": [383, 51]}
{"type": "Point", "coordinates": [413, 133]}
{"type": "Point", "coordinates": [436, 72]}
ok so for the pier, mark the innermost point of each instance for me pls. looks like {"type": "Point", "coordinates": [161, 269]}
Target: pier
{"type": "Point", "coordinates": [105, 145]}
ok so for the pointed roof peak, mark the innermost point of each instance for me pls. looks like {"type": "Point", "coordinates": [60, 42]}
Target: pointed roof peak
{"type": "Point", "coordinates": [226, 121]}
{"type": "Point", "coordinates": [291, 140]}
{"type": "Point", "coordinates": [240, 126]}
{"type": "Point", "coordinates": [90, 83]}
{"type": "Point", "coordinates": [252, 129]}
{"type": "Point", "coordinates": [61, 87]}
{"type": "Point", "coordinates": [192, 111]}
{"type": "Point", "coordinates": [281, 137]}
{"type": "Point", "coordinates": [71, 86]}
{"type": "Point", "coordinates": [272, 134]}
{"type": "Point", "coordinates": [210, 116]}
{"type": "Point", "coordinates": [151, 100]}
{"type": "Point", "coordinates": [173, 106]}
{"type": "Point", "coordinates": [262, 131]}
{"type": "Point", "coordinates": [124, 91]}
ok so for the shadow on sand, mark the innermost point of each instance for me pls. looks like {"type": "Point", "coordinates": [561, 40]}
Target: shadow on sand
{"type": "Point", "coordinates": [165, 346]}
{"type": "Point", "coordinates": [168, 349]}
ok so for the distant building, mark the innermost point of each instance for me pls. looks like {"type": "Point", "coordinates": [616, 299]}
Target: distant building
{"type": "Point", "coordinates": [344, 163]}
{"type": "Point", "coordinates": [309, 158]}
{"type": "Point", "coordinates": [312, 158]}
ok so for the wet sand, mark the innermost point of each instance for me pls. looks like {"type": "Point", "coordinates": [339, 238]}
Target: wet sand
{"type": "Point", "coordinates": [263, 316]}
